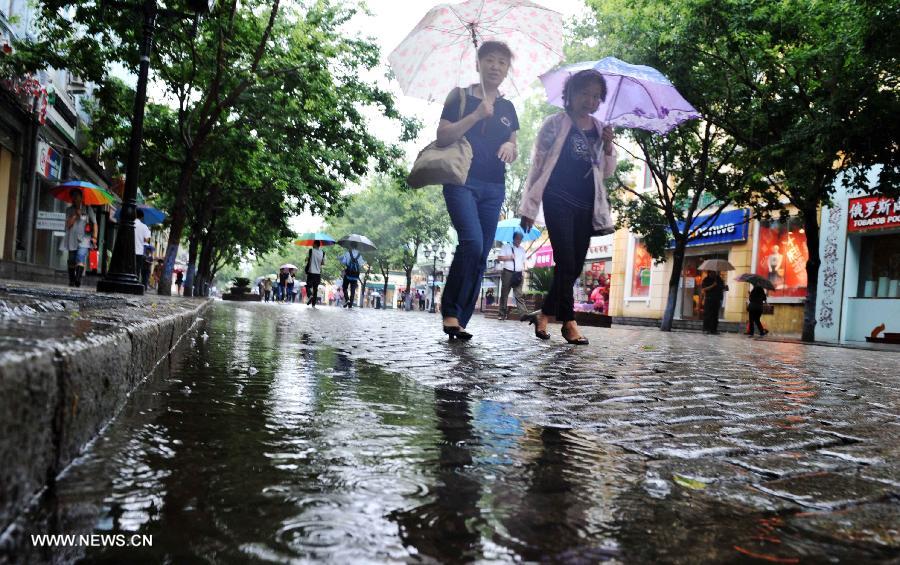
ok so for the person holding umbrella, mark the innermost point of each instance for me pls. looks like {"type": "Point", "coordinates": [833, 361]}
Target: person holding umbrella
{"type": "Point", "coordinates": [81, 235]}
{"type": "Point", "coordinates": [573, 154]}
{"type": "Point", "coordinates": [352, 261]}
{"type": "Point", "coordinates": [314, 263]}
{"type": "Point", "coordinates": [489, 123]}
{"type": "Point", "coordinates": [758, 297]}
{"type": "Point", "coordinates": [713, 290]}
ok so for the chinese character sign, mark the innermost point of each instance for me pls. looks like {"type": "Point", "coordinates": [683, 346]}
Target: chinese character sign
{"type": "Point", "coordinates": [782, 258]}
{"type": "Point", "coordinates": [640, 270]}
{"type": "Point", "coordinates": [872, 213]}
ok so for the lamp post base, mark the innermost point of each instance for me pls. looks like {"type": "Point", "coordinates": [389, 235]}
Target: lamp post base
{"type": "Point", "coordinates": [121, 283]}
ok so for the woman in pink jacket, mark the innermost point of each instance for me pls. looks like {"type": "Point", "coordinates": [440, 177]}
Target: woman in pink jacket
{"type": "Point", "coordinates": [573, 154]}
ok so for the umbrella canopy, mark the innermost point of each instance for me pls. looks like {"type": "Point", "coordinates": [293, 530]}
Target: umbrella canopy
{"type": "Point", "coordinates": [716, 265]}
{"type": "Point", "coordinates": [307, 239]}
{"type": "Point", "coordinates": [757, 280]}
{"type": "Point", "coordinates": [506, 229]}
{"type": "Point", "coordinates": [288, 266]}
{"type": "Point", "coordinates": [637, 96]}
{"type": "Point", "coordinates": [361, 242]}
{"type": "Point", "coordinates": [152, 216]}
{"type": "Point", "coordinates": [440, 52]}
{"type": "Point", "coordinates": [93, 195]}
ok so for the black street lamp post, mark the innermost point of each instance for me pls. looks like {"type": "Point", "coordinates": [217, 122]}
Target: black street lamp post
{"type": "Point", "coordinates": [122, 274]}
{"type": "Point", "coordinates": [443, 254]}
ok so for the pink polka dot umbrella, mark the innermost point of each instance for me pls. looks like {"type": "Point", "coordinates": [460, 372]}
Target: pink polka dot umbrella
{"type": "Point", "coordinates": [439, 54]}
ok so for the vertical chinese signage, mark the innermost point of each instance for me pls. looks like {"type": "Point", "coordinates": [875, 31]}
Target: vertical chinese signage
{"type": "Point", "coordinates": [640, 270]}
{"type": "Point", "coordinates": [782, 257]}
{"type": "Point", "coordinates": [873, 213]}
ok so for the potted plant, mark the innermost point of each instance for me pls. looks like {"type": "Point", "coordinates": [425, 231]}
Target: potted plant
{"type": "Point", "coordinates": [539, 281]}
{"type": "Point", "coordinates": [240, 291]}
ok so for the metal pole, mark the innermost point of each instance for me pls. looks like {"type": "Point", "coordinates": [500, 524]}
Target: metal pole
{"type": "Point", "coordinates": [433, 277]}
{"type": "Point", "coordinates": [122, 276]}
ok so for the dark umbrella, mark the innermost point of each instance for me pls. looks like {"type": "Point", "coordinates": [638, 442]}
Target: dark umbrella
{"type": "Point", "coordinates": [756, 280]}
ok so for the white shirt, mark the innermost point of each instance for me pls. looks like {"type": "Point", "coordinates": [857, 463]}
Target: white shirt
{"type": "Point", "coordinates": [519, 254]}
{"type": "Point", "coordinates": [315, 261]}
{"type": "Point", "coordinates": [141, 235]}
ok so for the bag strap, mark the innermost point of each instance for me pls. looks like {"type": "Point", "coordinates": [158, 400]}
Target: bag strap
{"type": "Point", "coordinates": [462, 102]}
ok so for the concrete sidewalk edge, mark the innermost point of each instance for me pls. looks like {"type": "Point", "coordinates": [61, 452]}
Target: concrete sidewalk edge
{"type": "Point", "coordinates": [58, 400]}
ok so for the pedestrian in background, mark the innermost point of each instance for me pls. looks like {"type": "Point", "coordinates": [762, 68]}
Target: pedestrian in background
{"type": "Point", "coordinates": [512, 277]}
{"type": "Point", "coordinates": [353, 263]}
{"type": "Point", "coordinates": [314, 263]}
{"type": "Point", "coordinates": [573, 154]}
{"type": "Point", "coordinates": [179, 280]}
{"type": "Point", "coordinates": [758, 298]}
{"type": "Point", "coordinates": [289, 286]}
{"type": "Point", "coordinates": [81, 235]}
{"type": "Point", "coordinates": [713, 290]}
{"type": "Point", "coordinates": [267, 289]}
{"type": "Point", "coordinates": [142, 237]}
{"type": "Point", "coordinates": [489, 123]}
{"type": "Point", "coordinates": [282, 284]}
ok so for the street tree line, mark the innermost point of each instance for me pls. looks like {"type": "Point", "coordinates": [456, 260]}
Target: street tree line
{"type": "Point", "coordinates": [262, 116]}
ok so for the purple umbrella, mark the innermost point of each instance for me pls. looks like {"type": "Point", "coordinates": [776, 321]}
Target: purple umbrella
{"type": "Point", "coordinates": [637, 96]}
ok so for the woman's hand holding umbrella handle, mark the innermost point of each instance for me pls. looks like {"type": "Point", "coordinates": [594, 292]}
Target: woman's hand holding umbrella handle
{"type": "Point", "coordinates": [526, 223]}
{"type": "Point", "coordinates": [485, 109]}
{"type": "Point", "coordinates": [608, 139]}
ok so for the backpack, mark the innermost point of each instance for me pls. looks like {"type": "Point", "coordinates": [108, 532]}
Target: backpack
{"type": "Point", "coordinates": [352, 270]}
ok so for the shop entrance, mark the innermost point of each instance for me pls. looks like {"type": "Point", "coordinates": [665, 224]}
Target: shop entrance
{"type": "Point", "coordinates": [689, 305]}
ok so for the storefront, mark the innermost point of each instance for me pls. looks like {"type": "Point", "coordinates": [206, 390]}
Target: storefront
{"type": "Point", "coordinates": [592, 288]}
{"type": "Point", "coordinates": [859, 280]}
{"type": "Point", "coordinates": [715, 241]}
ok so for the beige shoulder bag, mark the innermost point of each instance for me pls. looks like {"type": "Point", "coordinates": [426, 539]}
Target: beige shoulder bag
{"type": "Point", "coordinates": [443, 165]}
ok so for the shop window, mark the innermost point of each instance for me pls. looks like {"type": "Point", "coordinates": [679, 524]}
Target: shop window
{"type": "Point", "coordinates": [782, 257]}
{"type": "Point", "coordinates": [592, 288]}
{"type": "Point", "coordinates": [879, 266]}
{"type": "Point", "coordinates": [639, 285]}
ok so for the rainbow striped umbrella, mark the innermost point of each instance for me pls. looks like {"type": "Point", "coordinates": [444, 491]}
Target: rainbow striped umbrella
{"type": "Point", "coordinates": [93, 195]}
{"type": "Point", "coordinates": [307, 239]}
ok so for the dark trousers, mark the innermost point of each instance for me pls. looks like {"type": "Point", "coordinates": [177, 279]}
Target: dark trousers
{"type": "Point", "coordinates": [570, 230]}
{"type": "Point", "coordinates": [349, 289]}
{"type": "Point", "coordinates": [312, 287]}
{"type": "Point", "coordinates": [756, 311]}
{"type": "Point", "coordinates": [711, 314]}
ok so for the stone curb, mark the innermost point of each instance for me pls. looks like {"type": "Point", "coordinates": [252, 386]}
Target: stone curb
{"type": "Point", "coordinates": [54, 400]}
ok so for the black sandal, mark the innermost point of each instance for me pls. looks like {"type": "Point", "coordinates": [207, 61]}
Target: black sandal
{"type": "Point", "coordinates": [533, 319]}
{"type": "Point", "coordinates": [578, 341]}
{"type": "Point", "coordinates": [464, 335]}
{"type": "Point", "coordinates": [452, 331]}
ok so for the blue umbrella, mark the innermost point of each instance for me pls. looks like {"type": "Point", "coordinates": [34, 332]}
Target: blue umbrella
{"type": "Point", "coordinates": [506, 229]}
{"type": "Point", "coordinates": [152, 216]}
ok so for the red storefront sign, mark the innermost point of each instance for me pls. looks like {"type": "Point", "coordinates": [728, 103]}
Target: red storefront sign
{"type": "Point", "coordinates": [873, 213]}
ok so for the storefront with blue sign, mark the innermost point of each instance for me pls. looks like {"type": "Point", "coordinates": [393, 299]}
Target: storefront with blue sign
{"type": "Point", "coordinates": [725, 237]}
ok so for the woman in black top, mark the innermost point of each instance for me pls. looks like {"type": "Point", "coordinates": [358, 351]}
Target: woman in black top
{"type": "Point", "coordinates": [755, 308]}
{"type": "Point", "coordinates": [489, 123]}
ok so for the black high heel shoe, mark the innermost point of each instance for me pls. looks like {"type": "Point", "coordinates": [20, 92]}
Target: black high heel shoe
{"type": "Point", "coordinates": [533, 319]}
{"type": "Point", "coordinates": [452, 331]}
{"type": "Point", "coordinates": [463, 335]}
{"type": "Point", "coordinates": [578, 341]}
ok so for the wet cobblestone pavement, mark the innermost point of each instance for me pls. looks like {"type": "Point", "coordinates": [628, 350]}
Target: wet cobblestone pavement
{"type": "Point", "coordinates": [291, 434]}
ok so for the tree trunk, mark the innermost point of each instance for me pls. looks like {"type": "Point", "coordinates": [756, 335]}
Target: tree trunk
{"type": "Point", "coordinates": [179, 217]}
{"type": "Point", "coordinates": [204, 266]}
{"type": "Point", "coordinates": [408, 278]}
{"type": "Point", "coordinates": [674, 280]}
{"type": "Point", "coordinates": [811, 225]}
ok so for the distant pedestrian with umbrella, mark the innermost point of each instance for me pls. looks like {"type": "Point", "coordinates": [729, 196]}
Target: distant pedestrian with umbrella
{"type": "Point", "coordinates": [713, 290]}
{"type": "Point", "coordinates": [314, 262]}
{"type": "Point", "coordinates": [573, 154]}
{"type": "Point", "coordinates": [757, 301]}
{"type": "Point", "coordinates": [513, 275]}
{"type": "Point", "coordinates": [81, 234]}
{"type": "Point", "coordinates": [353, 263]}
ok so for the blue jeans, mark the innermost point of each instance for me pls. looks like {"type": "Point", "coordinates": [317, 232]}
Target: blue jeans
{"type": "Point", "coordinates": [474, 210]}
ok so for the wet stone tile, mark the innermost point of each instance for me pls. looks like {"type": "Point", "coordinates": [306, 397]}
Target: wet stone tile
{"type": "Point", "coordinates": [826, 490]}
{"type": "Point", "coordinates": [781, 465]}
{"type": "Point", "coordinates": [690, 448]}
{"type": "Point", "coordinates": [783, 440]}
{"type": "Point", "coordinates": [877, 524]}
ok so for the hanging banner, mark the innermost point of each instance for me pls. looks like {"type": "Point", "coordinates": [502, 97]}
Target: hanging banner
{"type": "Point", "coordinates": [49, 161]}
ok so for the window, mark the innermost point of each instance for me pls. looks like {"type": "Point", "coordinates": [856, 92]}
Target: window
{"type": "Point", "coordinates": [782, 257]}
{"type": "Point", "coordinates": [879, 266]}
{"type": "Point", "coordinates": [641, 262]}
